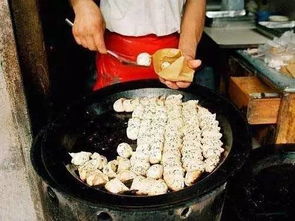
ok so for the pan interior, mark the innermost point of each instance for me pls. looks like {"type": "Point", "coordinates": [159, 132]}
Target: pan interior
{"type": "Point", "coordinates": [95, 127]}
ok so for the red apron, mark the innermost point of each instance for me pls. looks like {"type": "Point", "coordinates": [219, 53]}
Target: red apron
{"type": "Point", "coordinates": [111, 71]}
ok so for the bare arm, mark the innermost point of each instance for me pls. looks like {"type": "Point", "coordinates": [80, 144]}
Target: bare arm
{"type": "Point", "coordinates": [191, 30]}
{"type": "Point", "coordinates": [192, 26]}
{"type": "Point", "coordinates": [89, 26]}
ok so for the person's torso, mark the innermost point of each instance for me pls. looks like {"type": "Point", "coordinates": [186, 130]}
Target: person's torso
{"type": "Point", "coordinates": [142, 17]}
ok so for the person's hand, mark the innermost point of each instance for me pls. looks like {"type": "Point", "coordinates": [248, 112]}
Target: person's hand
{"type": "Point", "coordinates": [192, 63]}
{"type": "Point", "coordinates": [89, 26]}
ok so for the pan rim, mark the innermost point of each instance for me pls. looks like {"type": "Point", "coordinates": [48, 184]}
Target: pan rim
{"type": "Point", "coordinates": [232, 163]}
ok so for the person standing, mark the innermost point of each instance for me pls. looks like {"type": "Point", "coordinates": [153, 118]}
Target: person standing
{"type": "Point", "coordinates": [130, 27]}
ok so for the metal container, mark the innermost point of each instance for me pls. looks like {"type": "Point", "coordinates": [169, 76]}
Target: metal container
{"type": "Point", "coordinates": [90, 124]}
{"type": "Point", "coordinates": [232, 5]}
{"type": "Point", "coordinates": [265, 188]}
{"type": "Point", "coordinates": [63, 207]}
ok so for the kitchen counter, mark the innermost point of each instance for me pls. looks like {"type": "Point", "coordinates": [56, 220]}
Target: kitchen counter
{"type": "Point", "coordinates": [235, 37]}
{"type": "Point", "coordinates": [285, 87]}
{"type": "Point", "coordinates": [227, 42]}
{"type": "Point", "coordinates": [274, 78]}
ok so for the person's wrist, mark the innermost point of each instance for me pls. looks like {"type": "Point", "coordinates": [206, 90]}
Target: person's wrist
{"type": "Point", "coordinates": [78, 5]}
{"type": "Point", "coordinates": [188, 47]}
{"type": "Point", "coordinates": [189, 53]}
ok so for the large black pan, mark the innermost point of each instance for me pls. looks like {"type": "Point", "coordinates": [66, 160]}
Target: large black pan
{"type": "Point", "coordinates": [90, 124]}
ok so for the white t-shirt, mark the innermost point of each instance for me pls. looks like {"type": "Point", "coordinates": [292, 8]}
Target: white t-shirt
{"type": "Point", "coordinates": [142, 17]}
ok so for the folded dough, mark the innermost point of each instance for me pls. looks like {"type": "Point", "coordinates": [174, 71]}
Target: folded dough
{"type": "Point", "coordinates": [178, 69]}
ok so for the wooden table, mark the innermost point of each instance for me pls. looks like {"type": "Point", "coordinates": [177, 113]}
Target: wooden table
{"type": "Point", "coordinates": [267, 101]}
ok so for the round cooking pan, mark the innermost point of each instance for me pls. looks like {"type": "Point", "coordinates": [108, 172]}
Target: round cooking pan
{"type": "Point", "coordinates": [90, 124]}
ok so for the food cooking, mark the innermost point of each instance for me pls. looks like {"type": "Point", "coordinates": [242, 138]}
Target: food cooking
{"type": "Point", "coordinates": [176, 142]}
{"type": "Point", "coordinates": [94, 106]}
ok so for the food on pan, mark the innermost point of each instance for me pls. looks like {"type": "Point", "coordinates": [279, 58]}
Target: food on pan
{"type": "Point", "coordinates": [176, 142]}
{"type": "Point", "coordinates": [140, 167]}
{"type": "Point", "coordinates": [123, 164]}
{"type": "Point", "coordinates": [101, 159]}
{"type": "Point", "coordinates": [79, 159]}
{"type": "Point", "coordinates": [149, 186]}
{"type": "Point", "coordinates": [118, 105]}
{"type": "Point", "coordinates": [126, 175]}
{"type": "Point", "coordinates": [124, 150]}
{"type": "Point", "coordinates": [133, 128]}
{"type": "Point", "coordinates": [96, 178]}
{"type": "Point", "coordinates": [111, 168]}
{"type": "Point", "coordinates": [116, 186]}
{"type": "Point", "coordinates": [127, 105]}
{"type": "Point", "coordinates": [155, 171]}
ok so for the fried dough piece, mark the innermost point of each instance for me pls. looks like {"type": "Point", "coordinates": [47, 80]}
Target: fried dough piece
{"type": "Point", "coordinates": [116, 186]}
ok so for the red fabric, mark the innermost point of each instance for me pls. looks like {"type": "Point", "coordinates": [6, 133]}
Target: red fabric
{"type": "Point", "coordinates": [111, 71]}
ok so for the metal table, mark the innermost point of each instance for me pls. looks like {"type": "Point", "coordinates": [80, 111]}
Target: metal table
{"type": "Point", "coordinates": [234, 38]}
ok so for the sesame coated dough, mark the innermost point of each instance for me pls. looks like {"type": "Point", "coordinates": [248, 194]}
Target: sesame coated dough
{"type": "Point", "coordinates": [174, 143]}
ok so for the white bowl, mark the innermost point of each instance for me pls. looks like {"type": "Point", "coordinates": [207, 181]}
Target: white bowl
{"type": "Point", "coordinates": [278, 18]}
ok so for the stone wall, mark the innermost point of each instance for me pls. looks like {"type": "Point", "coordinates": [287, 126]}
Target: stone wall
{"type": "Point", "coordinates": [17, 202]}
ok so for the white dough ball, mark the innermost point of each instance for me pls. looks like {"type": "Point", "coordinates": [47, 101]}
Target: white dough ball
{"type": "Point", "coordinates": [155, 156]}
{"type": "Point", "coordinates": [118, 105]}
{"type": "Point", "coordinates": [127, 105]}
{"type": "Point", "coordinates": [134, 103]}
{"type": "Point", "coordinates": [144, 59]}
{"type": "Point", "coordinates": [124, 150]}
{"type": "Point", "coordinates": [165, 64]}
{"type": "Point", "coordinates": [140, 167]}
{"type": "Point", "coordinates": [155, 171]}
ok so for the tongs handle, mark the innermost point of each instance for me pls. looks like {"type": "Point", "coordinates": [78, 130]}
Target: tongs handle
{"type": "Point", "coordinates": [69, 22]}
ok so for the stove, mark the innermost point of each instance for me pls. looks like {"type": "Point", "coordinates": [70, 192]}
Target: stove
{"type": "Point", "coordinates": [67, 198]}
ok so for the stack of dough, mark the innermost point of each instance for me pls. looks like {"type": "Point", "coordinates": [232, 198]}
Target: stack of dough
{"type": "Point", "coordinates": [173, 171]}
{"type": "Point", "coordinates": [192, 157]}
{"type": "Point", "coordinates": [211, 143]}
{"type": "Point", "coordinates": [175, 143]}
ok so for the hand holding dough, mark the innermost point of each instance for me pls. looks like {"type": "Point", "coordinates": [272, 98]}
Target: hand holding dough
{"type": "Point", "coordinates": [178, 69]}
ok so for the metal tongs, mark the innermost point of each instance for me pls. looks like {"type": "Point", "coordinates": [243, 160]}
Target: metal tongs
{"type": "Point", "coordinates": [114, 54]}
{"type": "Point", "coordinates": [123, 60]}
